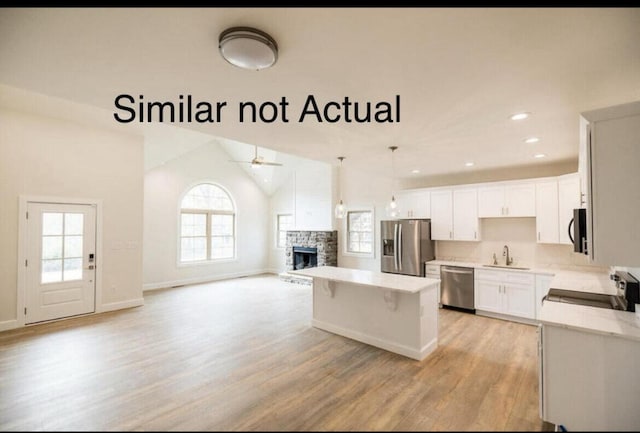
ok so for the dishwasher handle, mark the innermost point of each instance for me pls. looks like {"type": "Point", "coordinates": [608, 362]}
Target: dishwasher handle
{"type": "Point", "coordinates": [456, 271]}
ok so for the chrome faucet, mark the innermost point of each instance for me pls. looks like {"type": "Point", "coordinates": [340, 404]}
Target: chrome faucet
{"type": "Point", "coordinates": [505, 253]}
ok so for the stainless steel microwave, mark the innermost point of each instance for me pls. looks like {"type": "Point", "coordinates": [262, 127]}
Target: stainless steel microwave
{"type": "Point", "coordinates": [578, 231]}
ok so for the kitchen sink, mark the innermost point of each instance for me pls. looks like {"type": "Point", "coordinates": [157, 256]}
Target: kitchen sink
{"type": "Point", "coordinates": [507, 267]}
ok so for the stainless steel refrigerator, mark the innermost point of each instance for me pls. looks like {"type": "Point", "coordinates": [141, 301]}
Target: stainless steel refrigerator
{"type": "Point", "coordinates": [406, 246]}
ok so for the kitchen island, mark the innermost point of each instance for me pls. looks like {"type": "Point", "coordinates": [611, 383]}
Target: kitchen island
{"type": "Point", "coordinates": [394, 312]}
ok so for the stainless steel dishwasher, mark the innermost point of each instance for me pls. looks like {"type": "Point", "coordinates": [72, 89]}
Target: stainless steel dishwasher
{"type": "Point", "coordinates": [457, 287]}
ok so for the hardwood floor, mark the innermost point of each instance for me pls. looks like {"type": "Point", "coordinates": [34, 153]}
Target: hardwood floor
{"type": "Point", "coordinates": [241, 355]}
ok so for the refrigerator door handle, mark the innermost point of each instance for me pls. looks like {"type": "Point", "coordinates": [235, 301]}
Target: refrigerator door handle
{"type": "Point", "coordinates": [400, 246]}
{"type": "Point", "coordinates": [395, 246]}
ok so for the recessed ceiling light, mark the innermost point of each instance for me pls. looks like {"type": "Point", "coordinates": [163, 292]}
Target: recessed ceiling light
{"type": "Point", "coordinates": [531, 140]}
{"type": "Point", "coordinates": [469, 164]}
{"type": "Point", "coordinates": [539, 155]}
{"type": "Point", "coordinates": [416, 171]}
{"type": "Point", "coordinates": [519, 116]}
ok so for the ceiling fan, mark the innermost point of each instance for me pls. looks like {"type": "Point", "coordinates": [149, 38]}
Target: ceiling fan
{"type": "Point", "coordinates": [258, 161]}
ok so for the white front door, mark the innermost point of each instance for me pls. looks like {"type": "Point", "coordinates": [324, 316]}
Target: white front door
{"type": "Point", "coordinates": [61, 259]}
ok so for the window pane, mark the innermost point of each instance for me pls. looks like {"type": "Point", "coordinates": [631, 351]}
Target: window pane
{"type": "Point", "coordinates": [207, 196]}
{"type": "Point", "coordinates": [72, 246]}
{"type": "Point", "coordinates": [222, 225]}
{"type": "Point", "coordinates": [73, 223]}
{"type": "Point", "coordinates": [51, 271]}
{"type": "Point", "coordinates": [193, 224]}
{"type": "Point", "coordinates": [221, 247]}
{"type": "Point", "coordinates": [72, 269]}
{"type": "Point", "coordinates": [193, 249]}
{"type": "Point", "coordinates": [51, 223]}
{"type": "Point", "coordinates": [365, 247]}
{"type": "Point", "coordinates": [52, 247]}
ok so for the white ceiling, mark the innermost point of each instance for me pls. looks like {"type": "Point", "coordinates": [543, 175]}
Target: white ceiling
{"type": "Point", "coordinates": [460, 74]}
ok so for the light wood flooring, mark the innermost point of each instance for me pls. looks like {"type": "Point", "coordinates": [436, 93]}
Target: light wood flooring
{"type": "Point", "coordinates": [241, 355]}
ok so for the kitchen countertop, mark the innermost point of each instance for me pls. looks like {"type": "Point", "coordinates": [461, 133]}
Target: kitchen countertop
{"type": "Point", "coordinates": [570, 272]}
{"type": "Point", "coordinates": [603, 321]}
{"type": "Point", "coordinates": [401, 283]}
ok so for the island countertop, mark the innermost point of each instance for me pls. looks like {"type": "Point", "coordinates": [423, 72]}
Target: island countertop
{"type": "Point", "coordinates": [401, 283]}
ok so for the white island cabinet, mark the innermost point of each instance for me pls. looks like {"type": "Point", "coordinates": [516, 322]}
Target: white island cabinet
{"type": "Point", "coordinates": [398, 313]}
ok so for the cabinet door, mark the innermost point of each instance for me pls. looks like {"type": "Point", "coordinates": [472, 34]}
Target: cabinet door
{"type": "Point", "coordinates": [520, 200]}
{"type": "Point", "coordinates": [465, 214]}
{"type": "Point", "coordinates": [519, 300]}
{"type": "Point", "coordinates": [542, 288]}
{"type": "Point", "coordinates": [568, 200]}
{"type": "Point", "coordinates": [441, 215]}
{"type": "Point", "coordinates": [414, 204]}
{"type": "Point", "coordinates": [547, 212]}
{"type": "Point", "coordinates": [491, 201]}
{"type": "Point", "coordinates": [488, 296]}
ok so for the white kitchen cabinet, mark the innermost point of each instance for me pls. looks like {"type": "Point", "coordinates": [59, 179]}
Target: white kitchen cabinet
{"type": "Point", "coordinates": [454, 214]}
{"type": "Point", "coordinates": [569, 198]}
{"type": "Point", "coordinates": [547, 211]}
{"type": "Point", "coordinates": [588, 381]}
{"type": "Point", "coordinates": [543, 282]}
{"type": "Point", "coordinates": [507, 200]}
{"type": "Point", "coordinates": [582, 161]}
{"type": "Point", "coordinates": [442, 215]}
{"type": "Point", "coordinates": [505, 293]}
{"type": "Point", "coordinates": [613, 196]}
{"type": "Point", "coordinates": [414, 203]}
{"type": "Point", "coordinates": [465, 214]}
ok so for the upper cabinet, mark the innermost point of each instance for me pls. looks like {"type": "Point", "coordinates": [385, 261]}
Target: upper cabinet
{"type": "Point", "coordinates": [507, 200]}
{"type": "Point", "coordinates": [547, 211]}
{"type": "Point", "coordinates": [613, 192]}
{"type": "Point", "coordinates": [465, 214]}
{"type": "Point", "coordinates": [414, 203]}
{"type": "Point", "coordinates": [442, 215]}
{"type": "Point", "coordinates": [454, 214]}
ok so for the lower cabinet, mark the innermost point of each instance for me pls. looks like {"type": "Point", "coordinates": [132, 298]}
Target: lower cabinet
{"type": "Point", "coordinates": [543, 282]}
{"type": "Point", "coordinates": [505, 292]}
{"type": "Point", "coordinates": [589, 381]}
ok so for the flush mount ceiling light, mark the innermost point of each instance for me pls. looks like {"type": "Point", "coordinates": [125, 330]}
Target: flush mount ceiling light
{"type": "Point", "coordinates": [519, 116]}
{"type": "Point", "coordinates": [416, 171]}
{"type": "Point", "coordinates": [469, 164]}
{"type": "Point", "coordinates": [539, 155]}
{"type": "Point", "coordinates": [248, 48]}
{"type": "Point", "coordinates": [531, 140]}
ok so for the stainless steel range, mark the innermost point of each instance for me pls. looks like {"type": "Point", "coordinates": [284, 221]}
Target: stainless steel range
{"type": "Point", "coordinates": [626, 299]}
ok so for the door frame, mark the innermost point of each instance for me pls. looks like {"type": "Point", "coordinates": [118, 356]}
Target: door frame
{"type": "Point", "coordinates": [23, 201]}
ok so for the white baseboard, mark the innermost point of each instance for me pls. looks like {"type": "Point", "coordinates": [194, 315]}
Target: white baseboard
{"type": "Point", "coordinates": [198, 280]}
{"type": "Point", "coordinates": [112, 306]}
{"type": "Point", "coordinates": [8, 324]}
{"type": "Point", "coordinates": [410, 352]}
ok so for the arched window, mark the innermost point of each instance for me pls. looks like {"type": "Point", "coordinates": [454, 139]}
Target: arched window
{"type": "Point", "coordinates": [207, 224]}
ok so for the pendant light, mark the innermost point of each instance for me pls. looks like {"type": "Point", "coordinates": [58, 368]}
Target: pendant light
{"type": "Point", "coordinates": [392, 207]}
{"type": "Point", "coordinates": [340, 210]}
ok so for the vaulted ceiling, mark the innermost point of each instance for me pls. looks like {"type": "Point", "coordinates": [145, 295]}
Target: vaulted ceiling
{"type": "Point", "coordinates": [460, 74]}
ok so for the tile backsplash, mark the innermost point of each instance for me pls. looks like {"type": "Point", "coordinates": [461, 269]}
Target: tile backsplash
{"type": "Point", "coordinates": [519, 234]}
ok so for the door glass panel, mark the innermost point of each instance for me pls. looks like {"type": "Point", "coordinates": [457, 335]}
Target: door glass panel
{"type": "Point", "coordinates": [73, 223]}
{"type": "Point", "coordinates": [72, 247]}
{"type": "Point", "coordinates": [51, 271]}
{"type": "Point", "coordinates": [51, 223]}
{"type": "Point", "coordinates": [62, 243]}
{"type": "Point", "coordinates": [52, 247]}
{"type": "Point", "coordinates": [72, 269]}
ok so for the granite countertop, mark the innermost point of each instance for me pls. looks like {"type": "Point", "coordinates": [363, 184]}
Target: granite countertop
{"type": "Point", "coordinates": [401, 283]}
{"type": "Point", "coordinates": [568, 271]}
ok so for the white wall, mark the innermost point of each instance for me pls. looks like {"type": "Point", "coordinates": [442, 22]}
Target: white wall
{"type": "Point", "coordinates": [519, 234]}
{"type": "Point", "coordinates": [42, 155]}
{"type": "Point", "coordinates": [282, 201]}
{"type": "Point", "coordinates": [163, 190]}
{"type": "Point", "coordinates": [308, 194]}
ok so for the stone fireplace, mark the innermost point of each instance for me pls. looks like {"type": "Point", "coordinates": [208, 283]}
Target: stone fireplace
{"type": "Point", "coordinates": [307, 249]}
